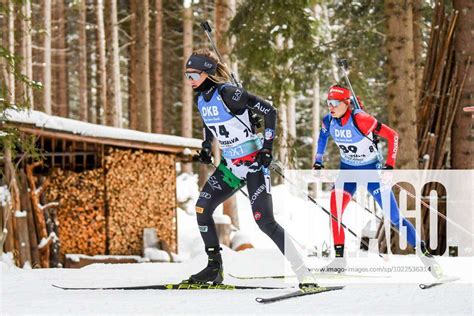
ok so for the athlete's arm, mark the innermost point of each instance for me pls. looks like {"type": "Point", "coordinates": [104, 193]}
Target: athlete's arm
{"type": "Point", "coordinates": [322, 140]}
{"type": "Point", "coordinates": [368, 123]}
{"type": "Point", "coordinates": [238, 100]}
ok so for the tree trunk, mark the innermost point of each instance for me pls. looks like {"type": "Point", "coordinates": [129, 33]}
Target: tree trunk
{"type": "Point", "coordinates": [283, 119]}
{"type": "Point", "coordinates": [316, 115]}
{"type": "Point", "coordinates": [157, 91]}
{"type": "Point", "coordinates": [114, 101]}
{"type": "Point", "coordinates": [60, 93]}
{"type": "Point", "coordinates": [329, 39]}
{"type": "Point", "coordinates": [291, 116]}
{"type": "Point", "coordinates": [143, 66]}
{"type": "Point", "coordinates": [12, 183]}
{"type": "Point", "coordinates": [187, 91]}
{"type": "Point", "coordinates": [401, 79]}
{"type": "Point", "coordinates": [91, 53]}
{"type": "Point", "coordinates": [132, 66]}
{"type": "Point", "coordinates": [21, 234]}
{"type": "Point", "coordinates": [27, 50]}
{"type": "Point", "coordinates": [101, 60]}
{"type": "Point", "coordinates": [461, 139]}
{"type": "Point", "coordinates": [223, 16]}
{"type": "Point", "coordinates": [418, 46]}
{"type": "Point", "coordinates": [82, 69]}
{"type": "Point", "coordinates": [11, 48]}
{"type": "Point", "coordinates": [47, 57]}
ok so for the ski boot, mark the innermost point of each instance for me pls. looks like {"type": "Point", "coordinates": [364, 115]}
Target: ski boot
{"type": "Point", "coordinates": [429, 261]}
{"type": "Point", "coordinates": [213, 272]}
{"type": "Point", "coordinates": [338, 265]}
{"type": "Point", "coordinates": [306, 280]}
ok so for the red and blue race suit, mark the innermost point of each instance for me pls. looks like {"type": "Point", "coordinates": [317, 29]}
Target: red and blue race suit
{"type": "Point", "coordinates": [354, 135]}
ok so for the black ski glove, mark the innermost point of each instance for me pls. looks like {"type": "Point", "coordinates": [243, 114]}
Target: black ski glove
{"type": "Point", "coordinates": [264, 157]}
{"type": "Point", "coordinates": [205, 155]}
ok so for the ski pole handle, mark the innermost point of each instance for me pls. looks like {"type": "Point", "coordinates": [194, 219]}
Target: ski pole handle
{"type": "Point", "coordinates": [206, 26]}
{"type": "Point", "coordinates": [342, 63]}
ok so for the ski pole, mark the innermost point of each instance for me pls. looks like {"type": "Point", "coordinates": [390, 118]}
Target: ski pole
{"type": "Point", "coordinates": [208, 30]}
{"type": "Point", "coordinates": [432, 209]}
{"type": "Point", "coordinates": [342, 63]}
{"type": "Point", "coordinates": [278, 169]}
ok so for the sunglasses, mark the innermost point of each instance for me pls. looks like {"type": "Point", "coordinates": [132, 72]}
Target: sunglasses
{"type": "Point", "coordinates": [335, 103]}
{"type": "Point", "coordinates": [193, 75]}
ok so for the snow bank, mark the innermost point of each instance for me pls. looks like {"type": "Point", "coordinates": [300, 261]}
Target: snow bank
{"type": "Point", "coordinates": [155, 254]}
{"type": "Point", "coordinates": [222, 219]}
{"type": "Point", "coordinates": [240, 238]}
{"type": "Point", "coordinates": [77, 257]}
{"type": "Point", "coordinates": [4, 195]}
{"type": "Point", "coordinates": [19, 214]}
{"type": "Point", "coordinates": [7, 262]}
{"type": "Point", "coordinates": [187, 191]}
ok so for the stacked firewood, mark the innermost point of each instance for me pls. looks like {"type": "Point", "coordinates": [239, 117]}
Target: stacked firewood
{"type": "Point", "coordinates": [141, 193]}
{"type": "Point", "coordinates": [81, 214]}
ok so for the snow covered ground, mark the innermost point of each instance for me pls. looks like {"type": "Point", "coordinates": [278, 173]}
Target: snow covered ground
{"type": "Point", "coordinates": [26, 291]}
{"type": "Point", "coordinates": [30, 291]}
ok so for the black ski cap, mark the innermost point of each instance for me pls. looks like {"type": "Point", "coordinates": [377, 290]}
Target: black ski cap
{"type": "Point", "coordinates": [203, 63]}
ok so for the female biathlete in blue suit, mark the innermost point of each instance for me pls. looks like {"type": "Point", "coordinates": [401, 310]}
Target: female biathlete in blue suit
{"type": "Point", "coordinates": [353, 131]}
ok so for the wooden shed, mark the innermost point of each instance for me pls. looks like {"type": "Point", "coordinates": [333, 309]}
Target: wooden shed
{"type": "Point", "coordinates": [110, 183]}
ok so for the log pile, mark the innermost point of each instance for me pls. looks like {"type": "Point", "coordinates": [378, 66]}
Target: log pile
{"type": "Point", "coordinates": [439, 102]}
{"type": "Point", "coordinates": [81, 212]}
{"type": "Point", "coordinates": [141, 193]}
{"type": "Point", "coordinates": [440, 93]}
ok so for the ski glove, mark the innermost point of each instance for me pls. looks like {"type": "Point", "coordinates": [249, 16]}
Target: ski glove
{"type": "Point", "coordinates": [264, 157]}
{"type": "Point", "coordinates": [204, 156]}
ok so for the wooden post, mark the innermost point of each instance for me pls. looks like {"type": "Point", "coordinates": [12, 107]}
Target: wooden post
{"type": "Point", "coordinates": [38, 212]}
{"type": "Point", "coordinates": [26, 205]}
{"type": "Point", "coordinates": [21, 235]}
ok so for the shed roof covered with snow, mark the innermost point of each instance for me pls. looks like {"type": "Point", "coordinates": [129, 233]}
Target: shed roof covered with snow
{"type": "Point", "coordinates": [42, 124]}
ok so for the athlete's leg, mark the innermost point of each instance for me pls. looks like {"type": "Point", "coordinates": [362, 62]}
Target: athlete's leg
{"type": "Point", "coordinates": [258, 184]}
{"type": "Point", "coordinates": [338, 202]}
{"type": "Point", "coordinates": [393, 211]}
{"type": "Point", "coordinates": [214, 192]}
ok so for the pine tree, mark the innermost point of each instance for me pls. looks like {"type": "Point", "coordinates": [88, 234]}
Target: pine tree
{"type": "Point", "coordinates": [461, 139]}
{"type": "Point", "coordinates": [401, 84]}
{"type": "Point", "coordinates": [142, 67]}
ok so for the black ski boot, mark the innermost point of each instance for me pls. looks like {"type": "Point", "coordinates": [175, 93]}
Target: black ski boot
{"type": "Point", "coordinates": [429, 261]}
{"type": "Point", "coordinates": [338, 265]}
{"type": "Point", "coordinates": [306, 280]}
{"type": "Point", "coordinates": [214, 272]}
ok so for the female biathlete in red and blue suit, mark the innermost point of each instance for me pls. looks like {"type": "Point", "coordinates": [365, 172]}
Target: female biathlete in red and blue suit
{"type": "Point", "coordinates": [353, 131]}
